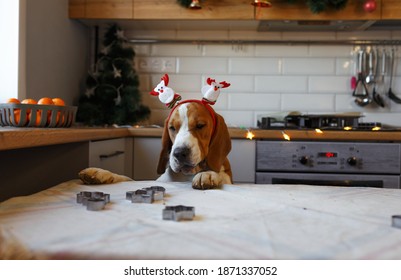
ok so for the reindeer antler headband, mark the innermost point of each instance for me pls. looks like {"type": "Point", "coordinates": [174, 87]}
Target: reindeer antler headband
{"type": "Point", "coordinates": [171, 99]}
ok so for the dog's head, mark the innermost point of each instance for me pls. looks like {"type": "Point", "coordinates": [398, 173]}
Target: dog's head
{"type": "Point", "coordinates": [195, 138]}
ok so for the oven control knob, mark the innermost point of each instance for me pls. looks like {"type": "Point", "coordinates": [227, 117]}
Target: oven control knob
{"type": "Point", "coordinates": [303, 160]}
{"type": "Point", "coordinates": [352, 161]}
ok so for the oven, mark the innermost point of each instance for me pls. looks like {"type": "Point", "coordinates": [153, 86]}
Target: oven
{"type": "Point", "coordinates": [328, 163]}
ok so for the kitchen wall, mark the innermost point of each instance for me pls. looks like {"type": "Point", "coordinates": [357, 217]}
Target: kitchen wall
{"type": "Point", "coordinates": [53, 51]}
{"type": "Point", "coordinates": [265, 79]}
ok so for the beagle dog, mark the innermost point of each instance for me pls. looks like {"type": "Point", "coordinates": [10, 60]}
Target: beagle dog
{"type": "Point", "coordinates": [195, 145]}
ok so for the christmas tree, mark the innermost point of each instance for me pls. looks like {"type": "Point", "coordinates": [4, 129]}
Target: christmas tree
{"type": "Point", "coordinates": [112, 89]}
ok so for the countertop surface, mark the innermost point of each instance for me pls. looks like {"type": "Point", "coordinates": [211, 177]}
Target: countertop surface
{"type": "Point", "coordinates": [16, 138]}
{"type": "Point", "coordinates": [272, 222]}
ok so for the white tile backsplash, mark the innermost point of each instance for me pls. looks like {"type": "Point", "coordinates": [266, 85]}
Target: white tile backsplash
{"type": "Point", "coordinates": [308, 102]}
{"type": "Point", "coordinates": [203, 65]}
{"type": "Point", "coordinates": [281, 84]}
{"type": "Point", "coordinates": [308, 66]}
{"type": "Point", "coordinates": [281, 50]}
{"type": "Point", "coordinates": [265, 78]}
{"type": "Point", "coordinates": [261, 65]}
{"type": "Point", "coordinates": [329, 84]}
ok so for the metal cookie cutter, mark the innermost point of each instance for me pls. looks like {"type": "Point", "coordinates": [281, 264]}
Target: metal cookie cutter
{"type": "Point", "coordinates": [146, 195]}
{"type": "Point", "coordinates": [157, 191]}
{"type": "Point", "coordinates": [141, 196]}
{"type": "Point", "coordinates": [179, 212]}
{"type": "Point", "coordinates": [95, 204]}
{"type": "Point", "coordinates": [94, 201]}
{"type": "Point", "coordinates": [396, 221]}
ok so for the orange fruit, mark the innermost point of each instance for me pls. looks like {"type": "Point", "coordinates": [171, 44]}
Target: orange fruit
{"type": "Point", "coordinates": [46, 101]}
{"type": "Point", "coordinates": [28, 111]}
{"type": "Point", "coordinates": [17, 112]}
{"type": "Point", "coordinates": [29, 101]}
{"type": "Point", "coordinates": [13, 100]}
{"type": "Point", "coordinates": [58, 101]}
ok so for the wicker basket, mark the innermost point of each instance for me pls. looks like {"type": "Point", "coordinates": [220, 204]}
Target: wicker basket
{"type": "Point", "coordinates": [31, 115]}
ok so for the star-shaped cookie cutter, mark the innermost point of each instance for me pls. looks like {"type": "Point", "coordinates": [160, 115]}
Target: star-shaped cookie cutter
{"type": "Point", "coordinates": [94, 201]}
{"type": "Point", "coordinates": [179, 212]}
{"type": "Point", "coordinates": [146, 195]}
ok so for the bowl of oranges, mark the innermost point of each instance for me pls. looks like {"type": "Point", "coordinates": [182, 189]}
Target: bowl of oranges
{"type": "Point", "coordinates": [46, 112]}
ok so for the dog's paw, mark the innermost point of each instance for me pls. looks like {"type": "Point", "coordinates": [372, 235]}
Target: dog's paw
{"type": "Point", "coordinates": [96, 176]}
{"type": "Point", "coordinates": [206, 180]}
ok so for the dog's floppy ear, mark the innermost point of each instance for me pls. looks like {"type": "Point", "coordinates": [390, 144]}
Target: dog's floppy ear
{"type": "Point", "coordinates": [220, 145]}
{"type": "Point", "coordinates": [166, 148]}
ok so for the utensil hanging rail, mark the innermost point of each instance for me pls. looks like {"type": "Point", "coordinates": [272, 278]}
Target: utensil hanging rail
{"type": "Point", "coordinates": [269, 42]}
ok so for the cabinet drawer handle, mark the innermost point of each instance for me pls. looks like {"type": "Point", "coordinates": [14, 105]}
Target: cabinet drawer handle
{"type": "Point", "coordinates": [116, 153]}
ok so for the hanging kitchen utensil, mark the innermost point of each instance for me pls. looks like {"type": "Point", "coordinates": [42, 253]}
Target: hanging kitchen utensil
{"type": "Point", "coordinates": [370, 77]}
{"type": "Point", "coordinates": [377, 97]}
{"type": "Point", "coordinates": [362, 98]}
{"type": "Point", "coordinates": [353, 78]}
{"type": "Point", "coordinates": [391, 94]}
{"type": "Point", "coordinates": [360, 83]}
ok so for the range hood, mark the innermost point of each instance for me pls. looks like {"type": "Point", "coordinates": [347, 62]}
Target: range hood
{"type": "Point", "coordinates": [327, 25]}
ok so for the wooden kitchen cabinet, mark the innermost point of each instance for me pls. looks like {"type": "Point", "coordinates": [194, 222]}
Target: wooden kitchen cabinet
{"type": "Point", "coordinates": [114, 155]}
{"type": "Point", "coordinates": [101, 9]}
{"type": "Point", "coordinates": [146, 151]}
{"type": "Point", "coordinates": [76, 8]}
{"type": "Point", "coordinates": [225, 10]}
{"type": "Point", "coordinates": [391, 9]}
{"type": "Point", "coordinates": [170, 9]}
{"type": "Point", "coordinates": [283, 10]}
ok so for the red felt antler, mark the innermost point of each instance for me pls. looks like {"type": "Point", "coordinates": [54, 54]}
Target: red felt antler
{"type": "Point", "coordinates": [224, 84]}
{"type": "Point", "coordinates": [209, 81]}
{"type": "Point", "coordinates": [165, 79]}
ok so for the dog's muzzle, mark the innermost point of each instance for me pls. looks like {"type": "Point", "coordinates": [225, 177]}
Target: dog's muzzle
{"type": "Point", "coordinates": [182, 161]}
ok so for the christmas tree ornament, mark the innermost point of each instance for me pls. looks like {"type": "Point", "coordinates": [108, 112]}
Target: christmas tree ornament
{"type": "Point", "coordinates": [261, 3]}
{"type": "Point", "coordinates": [116, 72]}
{"type": "Point", "coordinates": [195, 5]}
{"type": "Point", "coordinates": [370, 6]}
{"type": "Point", "coordinates": [190, 4]}
{"type": "Point", "coordinates": [112, 93]}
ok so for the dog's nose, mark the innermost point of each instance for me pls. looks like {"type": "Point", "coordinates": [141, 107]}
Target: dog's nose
{"type": "Point", "coordinates": [181, 153]}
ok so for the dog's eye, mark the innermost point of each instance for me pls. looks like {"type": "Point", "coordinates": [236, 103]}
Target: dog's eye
{"type": "Point", "coordinates": [172, 128]}
{"type": "Point", "coordinates": [200, 125]}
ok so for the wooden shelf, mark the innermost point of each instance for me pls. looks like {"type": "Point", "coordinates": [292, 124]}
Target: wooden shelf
{"type": "Point", "coordinates": [391, 9]}
{"type": "Point", "coordinates": [168, 10]}
{"type": "Point", "coordinates": [282, 10]}
{"type": "Point", "coordinates": [101, 9]}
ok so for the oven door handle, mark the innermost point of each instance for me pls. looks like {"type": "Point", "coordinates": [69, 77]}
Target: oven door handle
{"type": "Point", "coordinates": [339, 183]}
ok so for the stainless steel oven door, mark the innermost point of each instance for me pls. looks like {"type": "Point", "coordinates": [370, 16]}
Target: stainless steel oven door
{"type": "Point", "coordinates": [325, 179]}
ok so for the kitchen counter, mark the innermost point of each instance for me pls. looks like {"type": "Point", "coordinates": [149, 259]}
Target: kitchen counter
{"type": "Point", "coordinates": [16, 138]}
